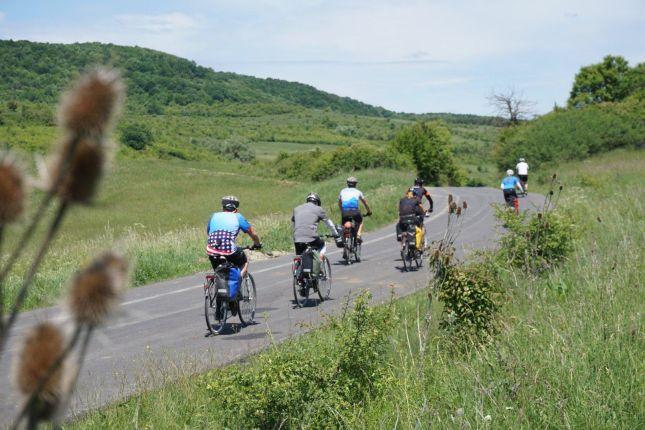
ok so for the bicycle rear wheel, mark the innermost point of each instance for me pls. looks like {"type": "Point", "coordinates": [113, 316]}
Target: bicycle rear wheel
{"type": "Point", "coordinates": [247, 301]}
{"type": "Point", "coordinates": [347, 252]}
{"type": "Point", "coordinates": [216, 312]}
{"type": "Point", "coordinates": [300, 292]}
{"type": "Point", "coordinates": [324, 282]}
{"type": "Point", "coordinates": [418, 258]}
{"type": "Point", "coordinates": [404, 254]}
{"type": "Point", "coordinates": [357, 251]}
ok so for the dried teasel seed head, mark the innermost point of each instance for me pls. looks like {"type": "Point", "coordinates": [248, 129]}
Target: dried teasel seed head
{"type": "Point", "coordinates": [539, 215]}
{"type": "Point", "coordinates": [555, 175]}
{"type": "Point", "coordinates": [12, 189]}
{"type": "Point", "coordinates": [450, 198]}
{"type": "Point", "coordinates": [97, 289]}
{"type": "Point", "coordinates": [560, 188]}
{"type": "Point", "coordinates": [458, 211]}
{"type": "Point", "coordinates": [91, 104]}
{"type": "Point", "coordinates": [550, 192]}
{"type": "Point", "coordinates": [43, 346]}
{"type": "Point", "coordinates": [598, 219]}
{"type": "Point", "coordinates": [464, 205]}
{"type": "Point", "coordinates": [82, 173]}
{"type": "Point", "coordinates": [453, 207]}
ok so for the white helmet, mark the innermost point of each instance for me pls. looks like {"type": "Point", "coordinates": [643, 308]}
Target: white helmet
{"type": "Point", "coordinates": [521, 160]}
{"type": "Point", "coordinates": [509, 172]}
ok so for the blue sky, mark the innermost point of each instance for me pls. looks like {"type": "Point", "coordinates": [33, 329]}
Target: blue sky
{"type": "Point", "coordinates": [413, 56]}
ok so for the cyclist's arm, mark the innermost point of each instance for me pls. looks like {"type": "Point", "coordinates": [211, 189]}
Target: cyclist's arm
{"type": "Point", "coordinates": [340, 205]}
{"type": "Point", "coordinates": [430, 201]}
{"type": "Point", "coordinates": [254, 236]}
{"type": "Point", "coordinates": [367, 206]}
{"type": "Point", "coordinates": [322, 216]}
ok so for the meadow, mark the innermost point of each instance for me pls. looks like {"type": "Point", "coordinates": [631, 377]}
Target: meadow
{"type": "Point", "coordinates": [568, 353]}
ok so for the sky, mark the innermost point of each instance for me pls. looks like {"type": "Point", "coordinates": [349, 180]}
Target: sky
{"type": "Point", "coordinates": [409, 56]}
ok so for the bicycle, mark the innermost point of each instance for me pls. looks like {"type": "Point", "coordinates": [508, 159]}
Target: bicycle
{"type": "Point", "coordinates": [304, 280]}
{"type": "Point", "coordinates": [512, 201]}
{"type": "Point", "coordinates": [409, 251]}
{"type": "Point", "coordinates": [352, 246]}
{"type": "Point", "coordinates": [218, 302]}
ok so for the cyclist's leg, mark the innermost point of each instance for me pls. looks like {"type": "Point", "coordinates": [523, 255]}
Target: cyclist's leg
{"type": "Point", "coordinates": [399, 230]}
{"type": "Point", "coordinates": [215, 262]}
{"type": "Point", "coordinates": [359, 225]}
{"type": "Point", "coordinates": [299, 247]}
{"type": "Point", "coordinates": [238, 258]}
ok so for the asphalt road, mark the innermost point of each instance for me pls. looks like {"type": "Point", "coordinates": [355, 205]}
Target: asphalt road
{"type": "Point", "coordinates": [161, 334]}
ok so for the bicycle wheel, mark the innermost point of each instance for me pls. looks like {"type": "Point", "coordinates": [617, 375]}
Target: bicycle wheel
{"type": "Point", "coordinates": [209, 301]}
{"type": "Point", "coordinates": [248, 300]}
{"type": "Point", "coordinates": [324, 282]}
{"type": "Point", "coordinates": [418, 258]}
{"type": "Point", "coordinates": [347, 253]}
{"type": "Point", "coordinates": [404, 254]}
{"type": "Point", "coordinates": [357, 251]}
{"type": "Point", "coordinates": [216, 312]}
{"type": "Point", "coordinates": [300, 292]}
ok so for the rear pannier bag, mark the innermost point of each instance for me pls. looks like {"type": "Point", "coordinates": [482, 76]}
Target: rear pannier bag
{"type": "Point", "coordinates": [228, 282]}
{"type": "Point", "coordinates": [307, 262]}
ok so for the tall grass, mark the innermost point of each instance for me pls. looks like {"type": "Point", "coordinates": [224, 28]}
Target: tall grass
{"type": "Point", "coordinates": [568, 355]}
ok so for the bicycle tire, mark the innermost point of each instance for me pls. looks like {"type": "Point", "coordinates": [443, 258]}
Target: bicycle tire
{"type": "Point", "coordinates": [418, 258]}
{"type": "Point", "coordinates": [348, 251]}
{"type": "Point", "coordinates": [357, 252]}
{"type": "Point", "coordinates": [324, 284]}
{"type": "Point", "coordinates": [208, 298]}
{"type": "Point", "coordinates": [215, 322]}
{"type": "Point", "coordinates": [404, 254]}
{"type": "Point", "coordinates": [247, 302]}
{"type": "Point", "coordinates": [300, 293]}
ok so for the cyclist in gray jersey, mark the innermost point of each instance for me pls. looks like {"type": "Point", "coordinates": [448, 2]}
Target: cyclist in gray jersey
{"type": "Point", "coordinates": [305, 220]}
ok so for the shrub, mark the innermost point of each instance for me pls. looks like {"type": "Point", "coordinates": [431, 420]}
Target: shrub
{"type": "Point", "coordinates": [535, 240]}
{"type": "Point", "coordinates": [310, 387]}
{"type": "Point", "coordinates": [428, 144]}
{"type": "Point", "coordinates": [471, 297]}
{"type": "Point", "coordinates": [136, 136]}
{"type": "Point", "coordinates": [234, 148]}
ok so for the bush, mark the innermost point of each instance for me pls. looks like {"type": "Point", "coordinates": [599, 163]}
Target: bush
{"type": "Point", "coordinates": [428, 144]}
{"type": "Point", "coordinates": [535, 241]}
{"type": "Point", "coordinates": [471, 297]}
{"type": "Point", "coordinates": [317, 165]}
{"type": "Point", "coordinates": [572, 134]}
{"type": "Point", "coordinates": [234, 148]}
{"type": "Point", "coordinates": [136, 136]}
{"type": "Point", "coordinates": [310, 387]}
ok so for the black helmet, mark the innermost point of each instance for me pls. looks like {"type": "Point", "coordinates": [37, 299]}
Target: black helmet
{"type": "Point", "coordinates": [230, 203]}
{"type": "Point", "coordinates": [352, 181]}
{"type": "Point", "coordinates": [313, 198]}
{"type": "Point", "coordinates": [418, 181]}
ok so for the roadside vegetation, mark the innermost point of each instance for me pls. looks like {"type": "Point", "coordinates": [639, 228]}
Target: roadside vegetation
{"type": "Point", "coordinates": [560, 347]}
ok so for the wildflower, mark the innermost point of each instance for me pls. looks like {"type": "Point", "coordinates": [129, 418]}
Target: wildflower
{"type": "Point", "coordinates": [96, 290]}
{"type": "Point", "coordinates": [92, 103]}
{"type": "Point", "coordinates": [43, 346]}
{"type": "Point", "coordinates": [12, 189]}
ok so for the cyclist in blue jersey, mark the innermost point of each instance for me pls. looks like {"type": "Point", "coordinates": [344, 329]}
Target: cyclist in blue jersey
{"type": "Point", "coordinates": [348, 203]}
{"type": "Point", "coordinates": [509, 184]}
{"type": "Point", "coordinates": [223, 229]}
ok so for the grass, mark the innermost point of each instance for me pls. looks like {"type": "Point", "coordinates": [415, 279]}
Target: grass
{"type": "Point", "coordinates": [569, 354]}
{"type": "Point", "coordinates": [156, 212]}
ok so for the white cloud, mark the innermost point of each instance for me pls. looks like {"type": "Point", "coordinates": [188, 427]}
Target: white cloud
{"type": "Point", "coordinates": [168, 22]}
{"type": "Point", "coordinates": [444, 82]}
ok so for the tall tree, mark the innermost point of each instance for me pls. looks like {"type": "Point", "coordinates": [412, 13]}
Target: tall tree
{"type": "Point", "coordinates": [609, 81]}
{"type": "Point", "coordinates": [428, 144]}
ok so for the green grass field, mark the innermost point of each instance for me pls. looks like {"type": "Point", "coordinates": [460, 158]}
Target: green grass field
{"type": "Point", "coordinates": [569, 354]}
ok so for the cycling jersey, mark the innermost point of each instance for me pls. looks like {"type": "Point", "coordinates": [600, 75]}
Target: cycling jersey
{"type": "Point", "coordinates": [349, 198]}
{"type": "Point", "coordinates": [223, 229]}
{"type": "Point", "coordinates": [522, 168]}
{"type": "Point", "coordinates": [510, 183]}
{"type": "Point", "coordinates": [419, 192]}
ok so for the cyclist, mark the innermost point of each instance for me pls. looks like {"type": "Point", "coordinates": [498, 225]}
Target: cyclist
{"type": "Point", "coordinates": [348, 200]}
{"type": "Point", "coordinates": [305, 221]}
{"type": "Point", "coordinates": [419, 192]}
{"type": "Point", "coordinates": [523, 173]}
{"type": "Point", "coordinates": [509, 184]}
{"type": "Point", "coordinates": [411, 212]}
{"type": "Point", "coordinates": [223, 229]}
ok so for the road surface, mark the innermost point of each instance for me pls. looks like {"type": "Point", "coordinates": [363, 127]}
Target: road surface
{"type": "Point", "coordinates": [160, 333]}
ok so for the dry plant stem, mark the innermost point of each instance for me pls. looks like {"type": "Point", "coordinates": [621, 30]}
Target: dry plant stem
{"type": "Point", "coordinates": [81, 358]}
{"type": "Point", "coordinates": [22, 293]}
{"type": "Point", "coordinates": [1, 290]}
{"type": "Point", "coordinates": [44, 204]}
{"type": "Point", "coordinates": [45, 378]}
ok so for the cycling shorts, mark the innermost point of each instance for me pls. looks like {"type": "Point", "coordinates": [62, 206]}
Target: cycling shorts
{"type": "Point", "coordinates": [352, 214]}
{"type": "Point", "coordinates": [238, 259]}
{"type": "Point", "coordinates": [317, 244]}
{"type": "Point", "coordinates": [524, 178]}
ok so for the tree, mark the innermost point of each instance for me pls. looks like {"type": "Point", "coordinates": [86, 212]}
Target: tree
{"type": "Point", "coordinates": [609, 81]}
{"type": "Point", "coordinates": [511, 105]}
{"type": "Point", "coordinates": [136, 136]}
{"type": "Point", "coordinates": [428, 144]}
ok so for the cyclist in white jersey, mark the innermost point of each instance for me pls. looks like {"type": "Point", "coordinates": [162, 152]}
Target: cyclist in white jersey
{"type": "Point", "coordinates": [522, 169]}
{"type": "Point", "coordinates": [348, 203]}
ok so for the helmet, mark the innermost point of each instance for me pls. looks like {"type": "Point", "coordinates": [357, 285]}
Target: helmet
{"type": "Point", "coordinates": [352, 181]}
{"type": "Point", "coordinates": [521, 160]}
{"type": "Point", "coordinates": [313, 198]}
{"type": "Point", "coordinates": [418, 181]}
{"type": "Point", "coordinates": [509, 172]}
{"type": "Point", "coordinates": [230, 203]}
